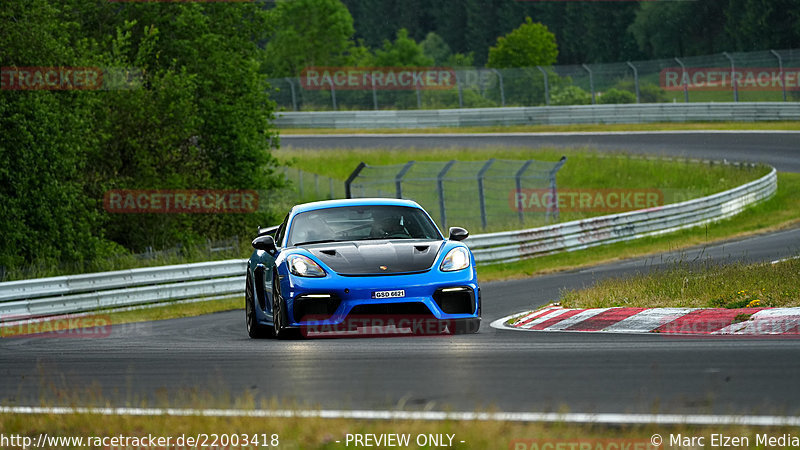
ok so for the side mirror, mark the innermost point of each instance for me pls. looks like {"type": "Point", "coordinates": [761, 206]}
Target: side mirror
{"type": "Point", "coordinates": [265, 243]}
{"type": "Point", "coordinates": [458, 234]}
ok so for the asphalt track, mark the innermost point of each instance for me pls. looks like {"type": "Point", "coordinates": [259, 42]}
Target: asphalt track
{"type": "Point", "coordinates": [178, 361]}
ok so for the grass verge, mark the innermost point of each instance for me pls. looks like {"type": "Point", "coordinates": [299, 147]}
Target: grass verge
{"type": "Point", "coordinates": [661, 126]}
{"type": "Point", "coordinates": [318, 433]}
{"type": "Point", "coordinates": [698, 285]}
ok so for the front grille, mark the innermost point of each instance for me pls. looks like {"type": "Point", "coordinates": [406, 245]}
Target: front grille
{"type": "Point", "coordinates": [311, 308]}
{"type": "Point", "coordinates": [455, 302]}
{"type": "Point", "coordinates": [400, 309]}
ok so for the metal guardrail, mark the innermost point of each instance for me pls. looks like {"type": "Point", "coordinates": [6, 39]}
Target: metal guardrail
{"type": "Point", "coordinates": [543, 115]}
{"type": "Point", "coordinates": [515, 245]}
{"type": "Point", "coordinates": [20, 300]}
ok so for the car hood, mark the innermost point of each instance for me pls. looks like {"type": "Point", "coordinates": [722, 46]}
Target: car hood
{"type": "Point", "coordinates": [380, 257]}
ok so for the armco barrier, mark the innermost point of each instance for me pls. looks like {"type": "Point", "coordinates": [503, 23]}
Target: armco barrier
{"type": "Point", "coordinates": [514, 245]}
{"type": "Point", "coordinates": [77, 293]}
{"type": "Point", "coordinates": [543, 115]}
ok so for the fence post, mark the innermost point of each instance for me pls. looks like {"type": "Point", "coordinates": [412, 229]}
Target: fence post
{"type": "Point", "coordinates": [460, 92]}
{"type": "Point", "coordinates": [419, 98]}
{"type": "Point", "coordinates": [554, 190]}
{"type": "Point", "coordinates": [502, 90]}
{"type": "Point", "coordinates": [733, 77]}
{"type": "Point", "coordinates": [780, 68]}
{"type": "Point", "coordinates": [374, 93]}
{"type": "Point", "coordinates": [546, 86]}
{"type": "Point", "coordinates": [635, 81]}
{"type": "Point", "coordinates": [333, 97]}
{"type": "Point", "coordinates": [684, 80]}
{"type": "Point", "coordinates": [481, 195]}
{"type": "Point", "coordinates": [300, 181]}
{"type": "Point", "coordinates": [294, 98]}
{"type": "Point", "coordinates": [398, 179]}
{"type": "Point", "coordinates": [518, 179]}
{"type": "Point", "coordinates": [440, 190]}
{"type": "Point", "coordinates": [591, 82]}
{"type": "Point", "coordinates": [349, 181]}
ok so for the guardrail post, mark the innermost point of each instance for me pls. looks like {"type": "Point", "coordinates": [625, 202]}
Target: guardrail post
{"type": "Point", "coordinates": [546, 86]}
{"type": "Point", "coordinates": [780, 68]}
{"type": "Point", "coordinates": [294, 98]}
{"type": "Point", "coordinates": [349, 181]}
{"type": "Point", "coordinates": [635, 81]}
{"type": "Point", "coordinates": [440, 190]}
{"type": "Point", "coordinates": [684, 80]}
{"type": "Point", "coordinates": [460, 92]}
{"type": "Point", "coordinates": [591, 82]}
{"type": "Point", "coordinates": [481, 194]}
{"type": "Point", "coordinates": [518, 179]}
{"type": "Point", "coordinates": [398, 179]}
{"type": "Point", "coordinates": [502, 91]}
{"type": "Point", "coordinates": [734, 82]}
{"type": "Point", "coordinates": [554, 190]}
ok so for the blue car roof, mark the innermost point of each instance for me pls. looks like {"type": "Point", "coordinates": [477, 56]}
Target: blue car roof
{"type": "Point", "coordinates": [354, 202]}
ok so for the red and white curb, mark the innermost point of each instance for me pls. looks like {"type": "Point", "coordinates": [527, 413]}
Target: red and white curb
{"type": "Point", "coordinates": [708, 321]}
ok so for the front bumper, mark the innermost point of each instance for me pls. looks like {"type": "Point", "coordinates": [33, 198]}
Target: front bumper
{"type": "Point", "coordinates": [333, 299]}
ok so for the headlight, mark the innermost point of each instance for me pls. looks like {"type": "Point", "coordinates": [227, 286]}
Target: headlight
{"type": "Point", "coordinates": [456, 259]}
{"type": "Point", "coordinates": [303, 266]}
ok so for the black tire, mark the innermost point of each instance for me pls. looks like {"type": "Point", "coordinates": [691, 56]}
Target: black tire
{"type": "Point", "coordinates": [254, 329]}
{"type": "Point", "coordinates": [279, 316]}
{"type": "Point", "coordinates": [466, 326]}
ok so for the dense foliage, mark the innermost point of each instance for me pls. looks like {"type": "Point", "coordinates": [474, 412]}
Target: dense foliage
{"type": "Point", "coordinates": [196, 116]}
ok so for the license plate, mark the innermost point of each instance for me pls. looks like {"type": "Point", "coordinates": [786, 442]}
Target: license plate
{"type": "Point", "coordinates": [389, 294]}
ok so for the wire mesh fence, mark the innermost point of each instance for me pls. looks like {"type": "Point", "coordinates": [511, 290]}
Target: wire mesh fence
{"type": "Point", "coordinates": [743, 77]}
{"type": "Point", "coordinates": [476, 194]}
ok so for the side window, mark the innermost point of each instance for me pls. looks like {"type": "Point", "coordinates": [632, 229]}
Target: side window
{"type": "Point", "coordinates": [281, 232]}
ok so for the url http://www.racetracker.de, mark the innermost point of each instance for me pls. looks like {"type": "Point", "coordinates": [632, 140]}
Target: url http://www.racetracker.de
{"type": "Point", "coordinates": [215, 441]}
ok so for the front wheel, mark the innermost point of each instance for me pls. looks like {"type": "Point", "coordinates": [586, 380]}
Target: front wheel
{"type": "Point", "coordinates": [279, 314]}
{"type": "Point", "coordinates": [254, 329]}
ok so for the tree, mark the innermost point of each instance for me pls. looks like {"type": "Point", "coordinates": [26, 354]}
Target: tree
{"type": "Point", "coordinates": [404, 51]}
{"type": "Point", "coordinates": [308, 33]}
{"type": "Point", "coordinates": [532, 44]}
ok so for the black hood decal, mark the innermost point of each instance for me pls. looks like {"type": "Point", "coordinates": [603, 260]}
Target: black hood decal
{"type": "Point", "coordinates": [380, 257]}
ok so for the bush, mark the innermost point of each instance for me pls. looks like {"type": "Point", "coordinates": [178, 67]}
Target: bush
{"type": "Point", "coordinates": [616, 96]}
{"type": "Point", "coordinates": [648, 92]}
{"type": "Point", "coordinates": [570, 95]}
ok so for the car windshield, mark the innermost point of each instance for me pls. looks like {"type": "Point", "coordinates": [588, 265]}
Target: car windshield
{"type": "Point", "coordinates": [353, 223]}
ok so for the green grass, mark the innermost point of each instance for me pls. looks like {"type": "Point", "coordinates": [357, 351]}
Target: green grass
{"type": "Point", "coordinates": [317, 433]}
{"type": "Point", "coordinates": [585, 170]}
{"type": "Point", "coordinates": [697, 285]}
{"type": "Point", "coordinates": [781, 211]}
{"type": "Point", "coordinates": [661, 126]}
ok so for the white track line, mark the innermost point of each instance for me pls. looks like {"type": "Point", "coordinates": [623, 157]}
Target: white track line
{"type": "Point", "coordinates": [602, 418]}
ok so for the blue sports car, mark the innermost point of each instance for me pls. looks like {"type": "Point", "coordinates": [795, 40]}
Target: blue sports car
{"type": "Point", "coordinates": [336, 265]}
